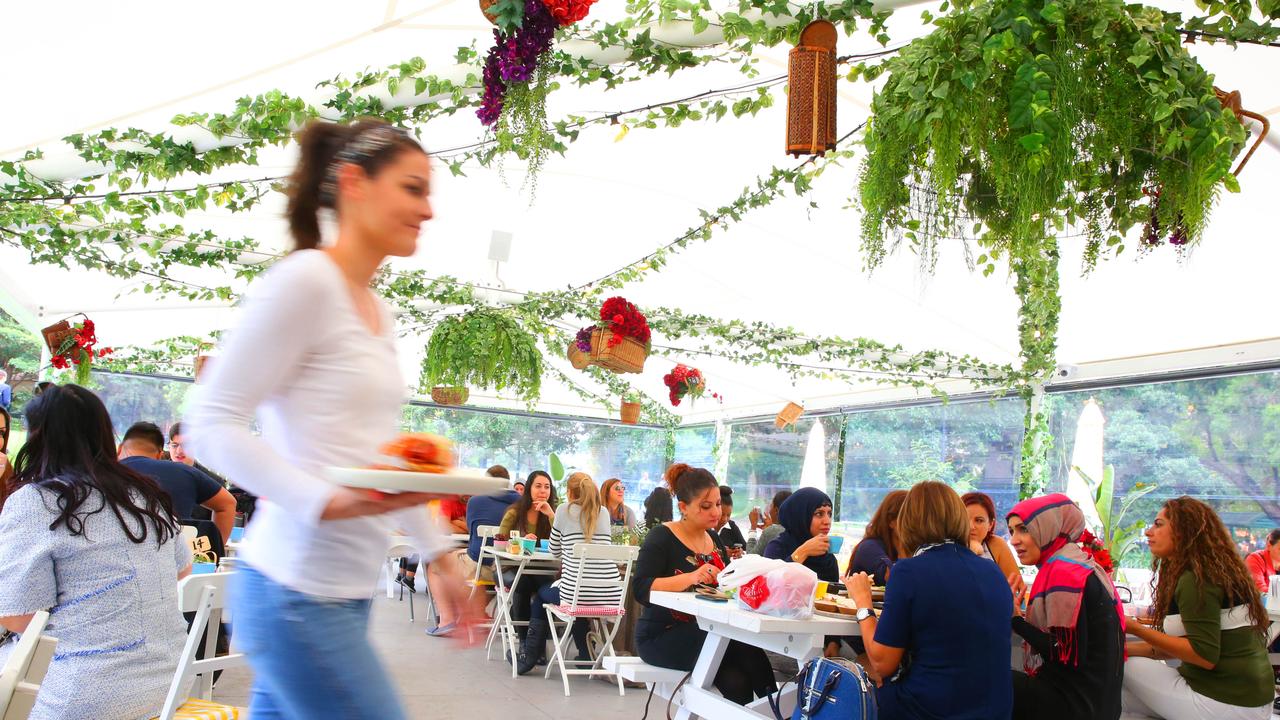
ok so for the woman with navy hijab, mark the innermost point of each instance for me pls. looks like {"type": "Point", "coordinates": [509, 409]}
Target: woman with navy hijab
{"type": "Point", "coordinates": [806, 519]}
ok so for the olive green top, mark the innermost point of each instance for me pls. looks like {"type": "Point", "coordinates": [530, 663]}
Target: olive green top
{"type": "Point", "coordinates": [1242, 673]}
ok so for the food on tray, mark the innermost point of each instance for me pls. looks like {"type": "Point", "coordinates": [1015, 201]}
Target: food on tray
{"type": "Point", "coordinates": [835, 604]}
{"type": "Point", "coordinates": [418, 452]}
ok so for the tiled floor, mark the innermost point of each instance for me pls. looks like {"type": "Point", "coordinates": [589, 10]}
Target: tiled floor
{"type": "Point", "coordinates": [436, 679]}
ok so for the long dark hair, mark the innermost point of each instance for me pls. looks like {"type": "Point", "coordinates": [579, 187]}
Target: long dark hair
{"type": "Point", "coordinates": [525, 502]}
{"type": "Point", "coordinates": [318, 146]}
{"type": "Point", "coordinates": [4, 434]}
{"type": "Point", "coordinates": [71, 452]}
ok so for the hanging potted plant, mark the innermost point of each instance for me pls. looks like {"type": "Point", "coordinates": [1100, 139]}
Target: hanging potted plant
{"type": "Point", "coordinates": [74, 344]}
{"type": "Point", "coordinates": [483, 348]}
{"type": "Point", "coordinates": [630, 410]}
{"type": "Point", "coordinates": [518, 70]}
{"type": "Point", "coordinates": [620, 341]}
{"type": "Point", "coordinates": [684, 381]}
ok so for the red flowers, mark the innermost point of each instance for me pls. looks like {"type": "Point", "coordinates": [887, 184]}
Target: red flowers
{"type": "Point", "coordinates": [568, 12]}
{"type": "Point", "coordinates": [683, 381]}
{"type": "Point", "coordinates": [624, 320]}
{"type": "Point", "coordinates": [1094, 548]}
{"type": "Point", "coordinates": [79, 350]}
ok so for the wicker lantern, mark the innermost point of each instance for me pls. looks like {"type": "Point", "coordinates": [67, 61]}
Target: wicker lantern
{"type": "Point", "coordinates": [788, 415]}
{"type": "Point", "coordinates": [811, 100]}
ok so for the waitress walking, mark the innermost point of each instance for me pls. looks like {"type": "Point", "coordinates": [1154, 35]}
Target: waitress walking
{"type": "Point", "coordinates": [314, 360]}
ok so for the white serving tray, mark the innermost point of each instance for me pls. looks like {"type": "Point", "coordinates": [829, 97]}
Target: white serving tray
{"type": "Point", "coordinates": [460, 481]}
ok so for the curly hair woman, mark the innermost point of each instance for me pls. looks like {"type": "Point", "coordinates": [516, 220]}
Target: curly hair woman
{"type": "Point", "coordinates": [1208, 615]}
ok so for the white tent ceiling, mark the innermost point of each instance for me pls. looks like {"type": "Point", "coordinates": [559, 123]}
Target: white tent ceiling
{"type": "Point", "coordinates": [81, 66]}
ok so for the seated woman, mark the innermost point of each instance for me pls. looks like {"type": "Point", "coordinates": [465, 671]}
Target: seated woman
{"type": "Point", "coordinates": [982, 532]}
{"type": "Point", "coordinates": [95, 544]}
{"type": "Point", "coordinates": [675, 557]}
{"type": "Point", "coordinates": [657, 507]}
{"type": "Point", "coordinates": [580, 520]}
{"type": "Point", "coordinates": [806, 525]}
{"type": "Point", "coordinates": [958, 651]}
{"type": "Point", "coordinates": [1209, 615]}
{"type": "Point", "coordinates": [1073, 629]}
{"type": "Point", "coordinates": [766, 524]}
{"type": "Point", "coordinates": [613, 495]}
{"type": "Point", "coordinates": [878, 549]}
{"type": "Point", "coordinates": [530, 518]}
{"type": "Point", "coordinates": [730, 533]}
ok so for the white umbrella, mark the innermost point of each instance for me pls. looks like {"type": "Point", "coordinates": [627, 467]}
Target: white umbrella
{"type": "Point", "coordinates": [1086, 460]}
{"type": "Point", "coordinates": [814, 472]}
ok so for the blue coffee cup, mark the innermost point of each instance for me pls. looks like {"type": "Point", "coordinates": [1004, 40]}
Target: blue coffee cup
{"type": "Point", "coordinates": [203, 568]}
{"type": "Point", "coordinates": [837, 542]}
{"type": "Point", "coordinates": [236, 534]}
{"type": "Point", "coordinates": [544, 545]}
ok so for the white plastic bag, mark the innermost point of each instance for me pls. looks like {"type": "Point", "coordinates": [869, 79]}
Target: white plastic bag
{"type": "Point", "coordinates": [772, 587]}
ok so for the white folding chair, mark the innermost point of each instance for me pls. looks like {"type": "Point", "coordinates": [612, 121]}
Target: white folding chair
{"type": "Point", "coordinates": [206, 596]}
{"type": "Point", "coordinates": [394, 553]}
{"type": "Point", "coordinates": [486, 534]}
{"type": "Point", "coordinates": [24, 670]}
{"type": "Point", "coordinates": [607, 618]}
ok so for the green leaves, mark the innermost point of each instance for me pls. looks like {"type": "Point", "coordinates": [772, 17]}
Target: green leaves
{"type": "Point", "coordinates": [483, 348]}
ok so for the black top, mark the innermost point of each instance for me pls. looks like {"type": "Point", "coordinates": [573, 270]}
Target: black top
{"type": "Point", "coordinates": [663, 555]}
{"type": "Point", "coordinates": [1091, 690]}
{"type": "Point", "coordinates": [731, 535]}
{"type": "Point", "coordinates": [187, 486]}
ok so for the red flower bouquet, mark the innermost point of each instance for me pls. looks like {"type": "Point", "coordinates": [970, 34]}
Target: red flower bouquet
{"type": "Point", "coordinates": [1094, 548]}
{"type": "Point", "coordinates": [624, 319]}
{"type": "Point", "coordinates": [78, 349]}
{"type": "Point", "coordinates": [684, 382]}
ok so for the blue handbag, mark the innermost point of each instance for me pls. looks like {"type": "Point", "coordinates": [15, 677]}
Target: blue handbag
{"type": "Point", "coordinates": [831, 689]}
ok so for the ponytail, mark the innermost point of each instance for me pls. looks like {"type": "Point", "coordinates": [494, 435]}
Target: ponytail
{"type": "Point", "coordinates": [583, 493]}
{"type": "Point", "coordinates": [319, 145]}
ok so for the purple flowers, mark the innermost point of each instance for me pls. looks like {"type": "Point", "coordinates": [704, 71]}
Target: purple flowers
{"type": "Point", "coordinates": [514, 58]}
{"type": "Point", "coordinates": [583, 340]}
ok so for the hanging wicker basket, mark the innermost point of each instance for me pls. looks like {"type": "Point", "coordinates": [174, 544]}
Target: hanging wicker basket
{"type": "Point", "coordinates": [484, 8]}
{"type": "Point", "coordinates": [811, 98]}
{"type": "Point", "coordinates": [201, 361]}
{"type": "Point", "coordinates": [1231, 101]}
{"type": "Point", "coordinates": [449, 395]}
{"type": "Point", "coordinates": [577, 358]}
{"type": "Point", "coordinates": [630, 412]}
{"type": "Point", "coordinates": [627, 356]}
{"type": "Point", "coordinates": [788, 415]}
{"type": "Point", "coordinates": [56, 334]}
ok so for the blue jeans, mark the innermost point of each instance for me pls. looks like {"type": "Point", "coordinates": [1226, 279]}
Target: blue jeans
{"type": "Point", "coordinates": [310, 655]}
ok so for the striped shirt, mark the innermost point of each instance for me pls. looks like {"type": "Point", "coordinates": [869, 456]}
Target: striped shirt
{"type": "Point", "coordinates": [566, 532]}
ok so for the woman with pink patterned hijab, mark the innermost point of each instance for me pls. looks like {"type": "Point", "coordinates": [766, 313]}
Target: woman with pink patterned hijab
{"type": "Point", "coordinates": [1073, 624]}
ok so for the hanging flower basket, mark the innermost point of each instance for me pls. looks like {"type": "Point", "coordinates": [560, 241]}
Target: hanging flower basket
{"type": "Point", "coordinates": [788, 415]}
{"type": "Point", "coordinates": [484, 8]}
{"type": "Point", "coordinates": [630, 412]}
{"type": "Point", "coordinates": [73, 344]}
{"type": "Point", "coordinates": [684, 381]}
{"type": "Point", "coordinates": [577, 357]}
{"type": "Point", "coordinates": [626, 355]}
{"type": "Point", "coordinates": [449, 395]}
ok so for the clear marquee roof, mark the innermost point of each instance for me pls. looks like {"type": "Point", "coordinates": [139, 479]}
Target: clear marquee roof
{"type": "Point", "coordinates": [79, 66]}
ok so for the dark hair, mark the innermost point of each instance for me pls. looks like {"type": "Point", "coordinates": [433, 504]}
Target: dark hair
{"type": "Point", "coordinates": [885, 515]}
{"type": "Point", "coordinates": [779, 498]}
{"type": "Point", "coordinates": [526, 501]}
{"type": "Point", "coordinates": [537, 473]}
{"type": "Point", "coordinates": [71, 452]}
{"type": "Point", "coordinates": [4, 435]}
{"type": "Point", "coordinates": [498, 471]}
{"type": "Point", "coordinates": [175, 430]}
{"type": "Point", "coordinates": [319, 144]}
{"type": "Point", "coordinates": [687, 482]}
{"type": "Point", "coordinates": [983, 499]}
{"type": "Point", "coordinates": [657, 507]}
{"type": "Point", "coordinates": [726, 495]}
{"type": "Point", "coordinates": [147, 432]}
{"type": "Point", "coordinates": [42, 386]}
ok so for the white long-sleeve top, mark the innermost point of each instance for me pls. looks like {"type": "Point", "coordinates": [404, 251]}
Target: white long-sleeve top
{"type": "Point", "coordinates": [326, 392]}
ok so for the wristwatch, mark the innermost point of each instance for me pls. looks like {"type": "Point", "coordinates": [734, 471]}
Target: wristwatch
{"type": "Point", "coordinates": [863, 614]}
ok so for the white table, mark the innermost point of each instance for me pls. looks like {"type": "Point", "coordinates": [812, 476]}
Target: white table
{"type": "Point", "coordinates": [539, 563]}
{"type": "Point", "coordinates": [798, 639]}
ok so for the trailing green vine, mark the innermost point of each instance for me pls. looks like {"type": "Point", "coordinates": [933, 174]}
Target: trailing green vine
{"type": "Point", "coordinates": [483, 348]}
